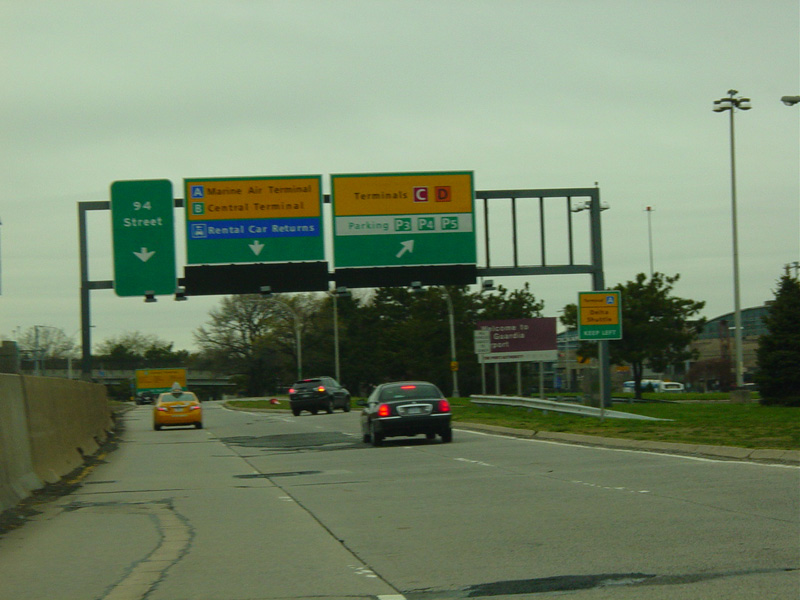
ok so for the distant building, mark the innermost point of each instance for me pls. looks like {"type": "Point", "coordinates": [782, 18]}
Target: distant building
{"type": "Point", "coordinates": [713, 368]}
{"type": "Point", "coordinates": [716, 341]}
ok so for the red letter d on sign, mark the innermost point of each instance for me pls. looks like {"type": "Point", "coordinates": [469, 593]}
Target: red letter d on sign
{"type": "Point", "coordinates": [443, 194]}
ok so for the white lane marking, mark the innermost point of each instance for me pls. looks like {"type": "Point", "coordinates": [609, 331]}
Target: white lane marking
{"type": "Point", "coordinates": [608, 487]}
{"type": "Point", "coordinates": [474, 462]}
{"type": "Point", "coordinates": [727, 461]}
{"type": "Point", "coordinates": [365, 572]}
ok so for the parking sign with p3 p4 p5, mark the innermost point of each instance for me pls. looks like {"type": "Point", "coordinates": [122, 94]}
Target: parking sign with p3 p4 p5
{"type": "Point", "coordinates": [403, 219]}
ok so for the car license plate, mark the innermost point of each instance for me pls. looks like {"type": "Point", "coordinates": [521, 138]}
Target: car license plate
{"type": "Point", "coordinates": [177, 410]}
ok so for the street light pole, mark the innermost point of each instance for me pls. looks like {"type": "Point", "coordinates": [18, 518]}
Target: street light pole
{"type": "Point", "coordinates": [416, 287]}
{"type": "Point", "coordinates": [267, 294]}
{"type": "Point", "coordinates": [453, 359]}
{"type": "Point", "coordinates": [731, 104]}
{"type": "Point", "coordinates": [342, 292]}
{"type": "Point", "coordinates": [649, 210]}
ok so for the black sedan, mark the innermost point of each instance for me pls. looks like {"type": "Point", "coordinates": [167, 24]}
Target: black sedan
{"type": "Point", "coordinates": [316, 394]}
{"type": "Point", "coordinates": [405, 408]}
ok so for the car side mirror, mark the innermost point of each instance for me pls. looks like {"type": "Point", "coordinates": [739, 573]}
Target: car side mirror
{"type": "Point", "coordinates": [361, 403]}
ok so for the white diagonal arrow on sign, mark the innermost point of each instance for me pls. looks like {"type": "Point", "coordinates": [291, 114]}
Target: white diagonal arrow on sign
{"type": "Point", "coordinates": [256, 247]}
{"type": "Point", "coordinates": [144, 254]}
{"type": "Point", "coordinates": [407, 247]}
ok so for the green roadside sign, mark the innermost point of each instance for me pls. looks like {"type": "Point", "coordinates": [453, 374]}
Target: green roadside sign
{"type": "Point", "coordinates": [254, 220]}
{"type": "Point", "coordinates": [403, 219]}
{"type": "Point", "coordinates": [143, 235]}
{"type": "Point", "coordinates": [600, 315]}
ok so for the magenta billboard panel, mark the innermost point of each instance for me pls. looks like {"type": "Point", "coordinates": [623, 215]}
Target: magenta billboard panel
{"type": "Point", "coordinates": [518, 340]}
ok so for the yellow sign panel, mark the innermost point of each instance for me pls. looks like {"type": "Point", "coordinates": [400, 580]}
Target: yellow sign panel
{"type": "Point", "coordinates": [402, 193]}
{"type": "Point", "coordinates": [252, 198]}
{"type": "Point", "coordinates": [599, 309]}
{"type": "Point", "coordinates": [160, 379]}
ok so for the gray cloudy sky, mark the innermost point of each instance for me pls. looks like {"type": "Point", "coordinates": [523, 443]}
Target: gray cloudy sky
{"type": "Point", "coordinates": [527, 94]}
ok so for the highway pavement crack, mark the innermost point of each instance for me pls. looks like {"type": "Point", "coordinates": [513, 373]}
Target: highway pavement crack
{"type": "Point", "coordinates": [176, 536]}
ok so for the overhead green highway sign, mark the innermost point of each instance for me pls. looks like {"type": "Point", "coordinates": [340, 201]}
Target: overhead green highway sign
{"type": "Point", "coordinates": [143, 233]}
{"type": "Point", "coordinates": [403, 219]}
{"type": "Point", "coordinates": [254, 220]}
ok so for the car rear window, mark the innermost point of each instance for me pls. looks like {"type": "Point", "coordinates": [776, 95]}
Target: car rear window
{"type": "Point", "coordinates": [184, 397]}
{"type": "Point", "coordinates": [410, 392]}
{"type": "Point", "coordinates": [307, 384]}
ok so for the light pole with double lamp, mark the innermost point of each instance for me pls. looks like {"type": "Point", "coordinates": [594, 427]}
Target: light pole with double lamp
{"type": "Point", "coordinates": [417, 288]}
{"type": "Point", "coordinates": [266, 292]}
{"type": "Point", "coordinates": [730, 104]}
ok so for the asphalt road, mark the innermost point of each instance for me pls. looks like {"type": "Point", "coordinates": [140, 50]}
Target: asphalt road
{"type": "Point", "coordinates": [261, 506]}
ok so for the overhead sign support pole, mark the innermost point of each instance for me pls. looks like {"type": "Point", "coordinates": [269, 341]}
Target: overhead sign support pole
{"type": "Point", "coordinates": [598, 283]}
{"type": "Point", "coordinates": [86, 286]}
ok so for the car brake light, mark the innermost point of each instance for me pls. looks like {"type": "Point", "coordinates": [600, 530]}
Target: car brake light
{"type": "Point", "coordinates": [161, 408]}
{"type": "Point", "coordinates": [408, 387]}
{"type": "Point", "coordinates": [292, 390]}
{"type": "Point", "coordinates": [384, 410]}
{"type": "Point", "coordinates": [444, 406]}
{"type": "Point", "coordinates": [321, 388]}
{"type": "Point", "coordinates": [194, 407]}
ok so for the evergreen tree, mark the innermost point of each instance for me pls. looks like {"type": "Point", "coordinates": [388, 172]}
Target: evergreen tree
{"type": "Point", "coordinates": [657, 327]}
{"type": "Point", "coordinates": [779, 350]}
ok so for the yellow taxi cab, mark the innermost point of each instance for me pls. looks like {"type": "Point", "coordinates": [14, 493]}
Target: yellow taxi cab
{"type": "Point", "coordinates": [177, 407]}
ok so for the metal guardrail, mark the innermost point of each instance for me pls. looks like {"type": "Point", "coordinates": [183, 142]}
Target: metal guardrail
{"type": "Point", "coordinates": [555, 406]}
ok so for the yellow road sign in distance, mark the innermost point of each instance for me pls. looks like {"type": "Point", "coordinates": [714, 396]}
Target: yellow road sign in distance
{"type": "Point", "coordinates": [159, 380]}
{"type": "Point", "coordinates": [600, 315]}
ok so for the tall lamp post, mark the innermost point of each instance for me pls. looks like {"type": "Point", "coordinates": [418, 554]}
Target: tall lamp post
{"type": "Point", "coordinates": [267, 293]}
{"type": "Point", "coordinates": [416, 287]}
{"type": "Point", "coordinates": [730, 104]}
{"type": "Point", "coordinates": [649, 211]}
{"type": "Point", "coordinates": [453, 359]}
{"type": "Point", "coordinates": [339, 292]}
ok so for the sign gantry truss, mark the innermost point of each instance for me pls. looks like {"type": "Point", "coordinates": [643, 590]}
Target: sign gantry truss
{"type": "Point", "coordinates": [514, 242]}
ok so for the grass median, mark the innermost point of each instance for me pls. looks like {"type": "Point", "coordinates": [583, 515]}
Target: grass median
{"type": "Point", "coordinates": [710, 422]}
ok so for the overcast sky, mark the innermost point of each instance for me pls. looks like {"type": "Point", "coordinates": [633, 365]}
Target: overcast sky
{"type": "Point", "coordinates": [527, 94]}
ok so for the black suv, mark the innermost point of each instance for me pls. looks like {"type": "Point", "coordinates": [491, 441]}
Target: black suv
{"type": "Point", "coordinates": [319, 393]}
{"type": "Point", "coordinates": [146, 398]}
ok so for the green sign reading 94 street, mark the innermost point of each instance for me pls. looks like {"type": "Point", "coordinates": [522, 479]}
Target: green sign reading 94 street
{"type": "Point", "coordinates": [143, 231]}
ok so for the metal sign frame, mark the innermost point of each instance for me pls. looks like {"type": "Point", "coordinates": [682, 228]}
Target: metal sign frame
{"type": "Point", "coordinates": [590, 201]}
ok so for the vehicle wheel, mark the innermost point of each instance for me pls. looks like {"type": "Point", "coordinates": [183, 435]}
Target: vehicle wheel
{"type": "Point", "coordinates": [313, 411]}
{"type": "Point", "coordinates": [346, 406]}
{"type": "Point", "coordinates": [296, 412]}
{"type": "Point", "coordinates": [430, 436]}
{"type": "Point", "coordinates": [377, 438]}
{"type": "Point", "coordinates": [447, 436]}
{"type": "Point", "coordinates": [198, 425]}
{"type": "Point", "coordinates": [366, 438]}
{"type": "Point", "coordinates": [157, 427]}
{"type": "Point", "coordinates": [329, 407]}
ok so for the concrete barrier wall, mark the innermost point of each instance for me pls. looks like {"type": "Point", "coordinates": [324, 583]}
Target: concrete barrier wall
{"type": "Point", "coordinates": [47, 425]}
{"type": "Point", "coordinates": [17, 476]}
